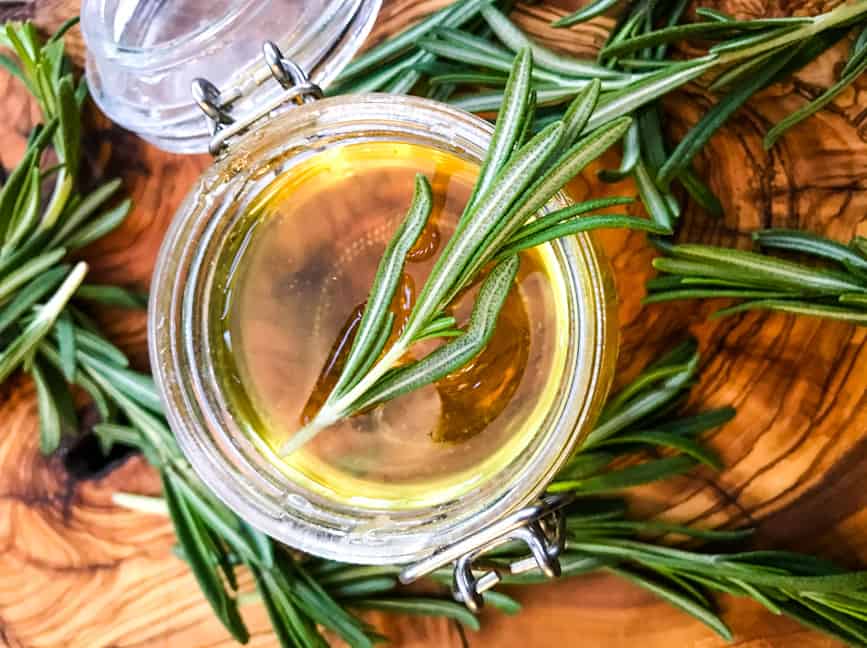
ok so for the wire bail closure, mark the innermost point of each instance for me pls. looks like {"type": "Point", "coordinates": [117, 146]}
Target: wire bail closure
{"type": "Point", "coordinates": [217, 106]}
{"type": "Point", "coordinates": [540, 527]}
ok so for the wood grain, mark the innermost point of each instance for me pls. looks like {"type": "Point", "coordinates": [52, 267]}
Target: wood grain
{"type": "Point", "coordinates": [76, 570]}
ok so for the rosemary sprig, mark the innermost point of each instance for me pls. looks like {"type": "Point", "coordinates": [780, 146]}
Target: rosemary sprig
{"type": "Point", "coordinates": [634, 70]}
{"type": "Point", "coordinates": [36, 280]}
{"type": "Point", "coordinates": [747, 56]}
{"type": "Point", "coordinates": [517, 179]}
{"type": "Point", "coordinates": [830, 281]}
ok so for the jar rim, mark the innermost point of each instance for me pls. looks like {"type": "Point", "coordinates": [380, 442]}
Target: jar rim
{"type": "Point", "coordinates": [306, 520]}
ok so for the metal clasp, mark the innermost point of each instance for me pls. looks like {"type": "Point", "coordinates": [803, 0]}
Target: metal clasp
{"type": "Point", "coordinates": [216, 105]}
{"type": "Point", "coordinates": [541, 527]}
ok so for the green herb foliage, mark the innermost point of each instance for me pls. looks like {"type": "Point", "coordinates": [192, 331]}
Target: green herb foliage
{"type": "Point", "coordinates": [624, 451]}
{"type": "Point", "coordinates": [453, 59]}
{"type": "Point", "coordinates": [44, 215]}
{"type": "Point", "coordinates": [42, 332]}
{"type": "Point", "coordinates": [824, 279]}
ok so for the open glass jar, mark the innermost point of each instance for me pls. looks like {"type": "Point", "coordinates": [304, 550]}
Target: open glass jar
{"type": "Point", "coordinates": [297, 500]}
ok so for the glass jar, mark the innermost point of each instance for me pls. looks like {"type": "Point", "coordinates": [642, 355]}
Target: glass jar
{"type": "Point", "coordinates": [233, 464]}
{"type": "Point", "coordinates": [139, 81]}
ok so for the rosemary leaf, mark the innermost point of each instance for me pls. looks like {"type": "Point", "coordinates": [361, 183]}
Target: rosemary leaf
{"type": "Point", "coordinates": [496, 62]}
{"type": "Point", "coordinates": [53, 356]}
{"type": "Point", "coordinates": [477, 43]}
{"type": "Point", "coordinates": [470, 78]}
{"type": "Point", "coordinates": [631, 153]}
{"type": "Point", "coordinates": [139, 387]}
{"type": "Point", "coordinates": [695, 425]}
{"type": "Point", "coordinates": [711, 293]}
{"type": "Point", "coordinates": [738, 72]}
{"type": "Point", "coordinates": [653, 199]}
{"type": "Point", "coordinates": [629, 477]}
{"type": "Point", "coordinates": [27, 271]}
{"type": "Point", "coordinates": [26, 212]}
{"type": "Point", "coordinates": [856, 51]}
{"type": "Point", "coordinates": [100, 226]}
{"type": "Point", "coordinates": [578, 114]}
{"type": "Point", "coordinates": [67, 346]}
{"type": "Point", "coordinates": [516, 40]}
{"type": "Point", "coordinates": [507, 131]}
{"type": "Point", "coordinates": [84, 210]}
{"type": "Point", "coordinates": [385, 283]}
{"type": "Point", "coordinates": [49, 417]}
{"type": "Point", "coordinates": [559, 215]}
{"type": "Point", "coordinates": [591, 10]}
{"type": "Point", "coordinates": [797, 308]}
{"type": "Point", "coordinates": [652, 87]}
{"type": "Point", "coordinates": [112, 296]}
{"type": "Point", "coordinates": [749, 40]}
{"type": "Point", "coordinates": [94, 344]}
{"type": "Point", "coordinates": [764, 270]}
{"type": "Point", "coordinates": [713, 14]}
{"type": "Point", "coordinates": [704, 30]}
{"type": "Point", "coordinates": [191, 536]}
{"type": "Point", "coordinates": [677, 599]}
{"type": "Point", "coordinates": [817, 104]}
{"type": "Point", "coordinates": [453, 15]}
{"type": "Point", "coordinates": [503, 603]}
{"type": "Point", "coordinates": [700, 192]}
{"type": "Point", "coordinates": [801, 241]}
{"type": "Point", "coordinates": [365, 588]}
{"type": "Point", "coordinates": [28, 295]}
{"type": "Point", "coordinates": [575, 226]}
{"type": "Point", "coordinates": [26, 343]}
{"type": "Point", "coordinates": [656, 438]}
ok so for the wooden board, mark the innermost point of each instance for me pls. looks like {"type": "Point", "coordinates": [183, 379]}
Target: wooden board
{"type": "Point", "coordinates": [76, 570]}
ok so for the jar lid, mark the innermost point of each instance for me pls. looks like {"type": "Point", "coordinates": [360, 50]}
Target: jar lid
{"type": "Point", "coordinates": [143, 56]}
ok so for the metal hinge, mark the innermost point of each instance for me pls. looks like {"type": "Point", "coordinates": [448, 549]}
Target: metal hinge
{"type": "Point", "coordinates": [217, 106]}
{"type": "Point", "coordinates": [541, 527]}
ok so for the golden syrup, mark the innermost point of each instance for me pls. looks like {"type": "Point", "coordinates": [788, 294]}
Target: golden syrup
{"type": "Point", "coordinates": [292, 288]}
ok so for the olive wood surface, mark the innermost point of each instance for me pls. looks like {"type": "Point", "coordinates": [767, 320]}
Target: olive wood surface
{"type": "Point", "coordinates": [77, 570]}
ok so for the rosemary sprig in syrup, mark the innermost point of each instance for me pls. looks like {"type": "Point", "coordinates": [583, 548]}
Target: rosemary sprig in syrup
{"type": "Point", "coordinates": [520, 175]}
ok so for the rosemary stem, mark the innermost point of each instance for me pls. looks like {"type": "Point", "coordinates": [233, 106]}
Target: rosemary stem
{"type": "Point", "coordinates": [335, 410]}
{"type": "Point", "coordinates": [820, 23]}
{"type": "Point", "coordinates": [140, 503]}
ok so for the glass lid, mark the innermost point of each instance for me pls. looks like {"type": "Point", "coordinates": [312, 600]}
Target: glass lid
{"type": "Point", "coordinates": [143, 56]}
